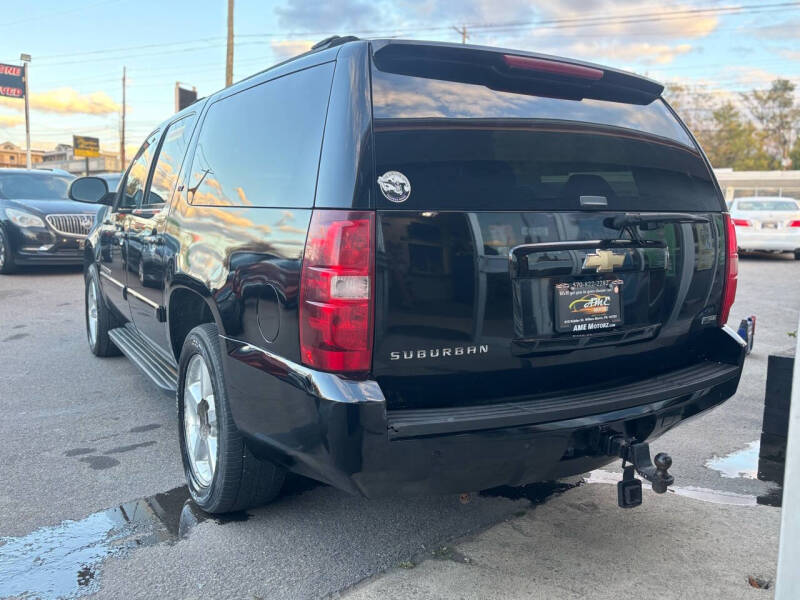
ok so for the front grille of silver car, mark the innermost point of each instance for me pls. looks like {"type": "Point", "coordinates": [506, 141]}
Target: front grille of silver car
{"type": "Point", "coordinates": [76, 225]}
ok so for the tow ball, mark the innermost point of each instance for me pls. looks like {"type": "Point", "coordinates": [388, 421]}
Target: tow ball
{"type": "Point", "coordinates": [629, 490]}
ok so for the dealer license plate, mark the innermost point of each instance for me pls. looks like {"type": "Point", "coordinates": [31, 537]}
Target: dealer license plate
{"type": "Point", "coordinates": [588, 306]}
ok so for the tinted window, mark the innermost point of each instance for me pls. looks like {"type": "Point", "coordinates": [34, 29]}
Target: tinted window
{"type": "Point", "coordinates": [133, 189]}
{"type": "Point", "coordinates": [768, 205]}
{"type": "Point", "coordinates": [260, 147]}
{"type": "Point", "coordinates": [465, 146]}
{"type": "Point", "coordinates": [112, 180]}
{"type": "Point", "coordinates": [34, 186]}
{"type": "Point", "coordinates": [168, 164]}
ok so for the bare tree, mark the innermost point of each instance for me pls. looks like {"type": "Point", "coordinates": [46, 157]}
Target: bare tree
{"type": "Point", "coordinates": [777, 113]}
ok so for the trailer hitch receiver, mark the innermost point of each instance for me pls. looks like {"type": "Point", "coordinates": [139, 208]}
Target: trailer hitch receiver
{"type": "Point", "coordinates": [629, 490]}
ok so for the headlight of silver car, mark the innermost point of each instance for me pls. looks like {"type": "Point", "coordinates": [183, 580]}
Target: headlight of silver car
{"type": "Point", "coordinates": [23, 219]}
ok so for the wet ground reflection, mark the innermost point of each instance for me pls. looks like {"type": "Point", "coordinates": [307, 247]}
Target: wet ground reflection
{"type": "Point", "coordinates": [64, 560]}
{"type": "Point", "coordinates": [742, 463]}
{"type": "Point", "coordinates": [758, 460]}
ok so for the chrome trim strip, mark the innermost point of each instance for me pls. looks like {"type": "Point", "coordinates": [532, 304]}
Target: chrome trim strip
{"type": "Point", "coordinates": [326, 386]}
{"type": "Point", "coordinates": [111, 279]}
{"type": "Point", "coordinates": [145, 299]}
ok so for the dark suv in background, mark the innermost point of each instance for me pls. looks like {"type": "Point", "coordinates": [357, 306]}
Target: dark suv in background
{"type": "Point", "coordinates": [402, 266]}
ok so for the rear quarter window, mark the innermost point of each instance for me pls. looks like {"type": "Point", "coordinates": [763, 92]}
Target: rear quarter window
{"type": "Point", "coordinates": [260, 147]}
{"type": "Point", "coordinates": [464, 146]}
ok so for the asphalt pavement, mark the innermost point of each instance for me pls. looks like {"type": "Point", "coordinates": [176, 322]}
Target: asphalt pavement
{"type": "Point", "coordinates": [92, 480]}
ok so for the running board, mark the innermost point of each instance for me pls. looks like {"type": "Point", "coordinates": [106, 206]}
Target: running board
{"type": "Point", "coordinates": [132, 344]}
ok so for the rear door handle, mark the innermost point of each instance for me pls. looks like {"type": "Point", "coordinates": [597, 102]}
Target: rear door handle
{"type": "Point", "coordinates": [519, 252]}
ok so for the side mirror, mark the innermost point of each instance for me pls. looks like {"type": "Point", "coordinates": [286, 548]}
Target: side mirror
{"type": "Point", "coordinates": [93, 190]}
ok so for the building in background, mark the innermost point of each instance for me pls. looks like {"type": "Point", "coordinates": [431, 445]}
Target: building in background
{"type": "Point", "coordinates": [738, 184]}
{"type": "Point", "coordinates": [61, 157]}
{"type": "Point", "coordinates": [12, 155]}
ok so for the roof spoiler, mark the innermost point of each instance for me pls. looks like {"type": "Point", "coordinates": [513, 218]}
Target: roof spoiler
{"type": "Point", "coordinates": [513, 71]}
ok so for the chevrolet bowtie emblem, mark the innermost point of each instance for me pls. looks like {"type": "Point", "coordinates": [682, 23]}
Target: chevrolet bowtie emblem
{"type": "Point", "coordinates": [603, 260]}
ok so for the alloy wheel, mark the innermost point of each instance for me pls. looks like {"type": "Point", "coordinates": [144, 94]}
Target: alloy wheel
{"type": "Point", "coordinates": [91, 313]}
{"type": "Point", "coordinates": [200, 421]}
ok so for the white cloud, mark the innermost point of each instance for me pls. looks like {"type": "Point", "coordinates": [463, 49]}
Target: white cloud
{"type": "Point", "coordinates": [11, 120]}
{"type": "Point", "coordinates": [643, 52]}
{"type": "Point", "coordinates": [67, 101]}
{"type": "Point", "coordinates": [288, 48]}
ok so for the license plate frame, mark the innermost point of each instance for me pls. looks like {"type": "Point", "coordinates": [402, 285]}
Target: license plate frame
{"type": "Point", "coordinates": [586, 307]}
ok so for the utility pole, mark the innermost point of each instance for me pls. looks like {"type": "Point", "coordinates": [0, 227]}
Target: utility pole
{"type": "Point", "coordinates": [26, 65]}
{"type": "Point", "coordinates": [122, 132]}
{"type": "Point", "coordinates": [463, 31]}
{"type": "Point", "coordinates": [229, 56]}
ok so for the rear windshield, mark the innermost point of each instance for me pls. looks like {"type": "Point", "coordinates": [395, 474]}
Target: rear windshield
{"type": "Point", "coordinates": [768, 205]}
{"type": "Point", "coordinates": [467, 147]}
{"type": "Point", "coordinates": [30, 186]}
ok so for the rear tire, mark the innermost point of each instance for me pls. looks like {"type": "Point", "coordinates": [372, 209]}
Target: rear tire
{"type": "Point", "coordinates": [7, 265]}
{"type": "Point", "coordinates": [222, 474]}
{"type": "Point", "coordinates": [99, 319]}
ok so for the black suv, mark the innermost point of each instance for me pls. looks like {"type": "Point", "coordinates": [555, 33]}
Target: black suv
{"type": "Point", "coordinates": [402, 266]}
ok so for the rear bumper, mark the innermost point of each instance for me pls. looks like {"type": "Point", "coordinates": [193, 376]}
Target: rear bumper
{"type": "Point", "coordinates": [339, 431]}
{"type": "Point", "coordinates": [783, 241]}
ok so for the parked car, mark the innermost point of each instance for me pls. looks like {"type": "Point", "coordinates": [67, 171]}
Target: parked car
{"type": "Point", "coordinates": [767, 223]}
{"type": "Point", "coordinates": [413, 267]}
{"type": "Point", "coordinates": [39, 224]}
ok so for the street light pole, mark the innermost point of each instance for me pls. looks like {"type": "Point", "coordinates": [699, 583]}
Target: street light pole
{"type": "Point", "coordinates": [26, 61]}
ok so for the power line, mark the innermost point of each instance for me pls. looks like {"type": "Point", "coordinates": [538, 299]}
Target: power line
{"type": "Point", "coordinates": [561, 23]}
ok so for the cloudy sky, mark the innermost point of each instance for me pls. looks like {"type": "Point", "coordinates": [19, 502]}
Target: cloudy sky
{"type": "Point", "coordinates": [79, 49]}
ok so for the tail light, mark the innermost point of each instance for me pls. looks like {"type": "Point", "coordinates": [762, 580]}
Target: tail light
{"type": "Point", "coordinates": [794, 224]}
{"type": "Point", "coordinates": [336, 291]}
{"type": "Point", "coordinates": [742, 223]}
{"type": "Point", "coordinates": [731, 269]}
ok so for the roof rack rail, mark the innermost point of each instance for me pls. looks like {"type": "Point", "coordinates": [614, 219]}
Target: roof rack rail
{"type": "Point", "coordinates": [334, 40]}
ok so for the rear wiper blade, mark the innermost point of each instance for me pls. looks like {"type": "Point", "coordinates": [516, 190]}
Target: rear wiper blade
{"type": "Point", "coordinates": [654, 219]}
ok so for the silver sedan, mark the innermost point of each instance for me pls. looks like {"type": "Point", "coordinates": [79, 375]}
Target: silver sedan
{"type": "Point", "coordinates": [771, 224]}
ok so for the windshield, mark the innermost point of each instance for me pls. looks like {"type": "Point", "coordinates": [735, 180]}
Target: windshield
{"type": "Point", "coordinates": [34, 186]}
{"type": "Point", "coordinates": [768, 205]}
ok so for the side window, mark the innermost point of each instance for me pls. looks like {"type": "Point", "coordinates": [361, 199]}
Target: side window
{"type": "Point", "coordinates": [136, 178]}
{"type": "Point", "coordinates": [260, 147]}
{"type": "Point", "coordinates": [168, 163]}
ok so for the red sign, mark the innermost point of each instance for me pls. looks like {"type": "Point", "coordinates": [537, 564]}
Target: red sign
{"type": "Point", "coordinates": [12, 82]}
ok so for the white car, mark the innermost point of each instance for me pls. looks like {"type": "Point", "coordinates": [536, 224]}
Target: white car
{"type": "Point", "coordinates": [771, 224]}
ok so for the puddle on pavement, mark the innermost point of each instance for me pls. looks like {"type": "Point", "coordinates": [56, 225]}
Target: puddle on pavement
{"type": "Point", "coordinates": [64, 560]}
{"type": "Point", "coordinates": [756, 461]}
{"type": "Point", "coordinates": [740, 464]}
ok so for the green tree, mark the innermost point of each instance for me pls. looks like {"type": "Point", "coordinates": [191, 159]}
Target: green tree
{"type": "Point", "coordinates": [777, 113]}
{"type": "Point", "coordinates": [735, 142]}
{"type": "Point", "coordinates": [795, 153]}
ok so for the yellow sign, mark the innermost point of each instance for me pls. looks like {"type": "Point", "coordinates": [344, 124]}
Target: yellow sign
{"type": "Point", "coordinates": [88, 147]}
